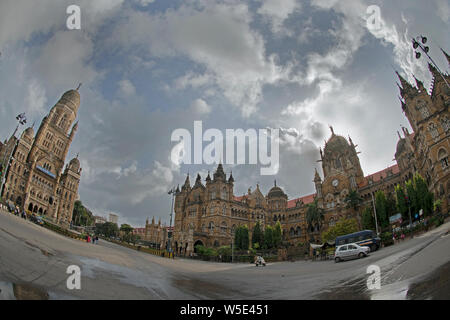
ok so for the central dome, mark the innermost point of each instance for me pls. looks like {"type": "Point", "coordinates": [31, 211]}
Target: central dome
{"type": "Point", "coordinates": [276, 192]}
{"type": "Point", "coordinates": [336, 144]}
{"type": "Point", "coordinates": [72, 99]}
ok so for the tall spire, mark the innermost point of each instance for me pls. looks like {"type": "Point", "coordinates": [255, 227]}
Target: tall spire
{"type": "Point", "coordinates": [405, 88]}
{"type": "Point", "coordinates": [220, 174]}
{"type": "Point", "coordinates": [317, 177]}
{"type": "Point", "coordinates": [231, 179]}
{"type": "Point", "coordinates": [420, 85]}
{"type": "Point", "coordinates": [446, 55]}
{"type": "Point", "coordinates": [187, 183]}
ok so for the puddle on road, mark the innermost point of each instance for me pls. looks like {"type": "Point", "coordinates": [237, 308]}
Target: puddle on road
{"type": "Point", "coordinates": [435, 286]}
{"type": "Point", "coordinates": [208, 290]}
{"type": "Point", "coordinates": [15, 291]}
{"type": "Point", "coordinates": [348, 290]}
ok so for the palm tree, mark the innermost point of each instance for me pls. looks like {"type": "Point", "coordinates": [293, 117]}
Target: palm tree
{"type": "Point", "coordinates": [314, 215]}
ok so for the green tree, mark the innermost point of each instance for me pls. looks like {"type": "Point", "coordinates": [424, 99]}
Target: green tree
{"type": "Point", "coordinates": [314, 215]}
{"type": "Point", "coordinates": [257, 236]}
{"type": "Point", "coordinates": [81, 216]}
{"type": "Point", "coordinates": [108, 229]}
{"type": "Point", "coordinates": [268, 237]}
{"type": "Point", "coordinates": [241, 237]}
{"type": "Point", "coordinates": [341, 228]}
{"type": "Point", "coordinates": [412, 196]}
{"type": "Point", "coordinates": [126, 228]}
{"type": "Point", "coordinates": [382, 208]}
{"type": "Point", "coordinates": [391, 205]}
{"type": "Point", "coordinates": [368, 222]}
{"type": "Point", "coordinates": [353, 200]}
{"type": "Point", "coordinates": [277, 235]}
{"type": "Point", "coordinates": [402, 205]}
{"type": "Point", "coordinates": [424, 197]}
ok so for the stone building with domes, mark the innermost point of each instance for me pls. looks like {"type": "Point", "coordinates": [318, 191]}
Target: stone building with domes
{"type": "Point", "coordinates": [36, 178]}
{"type": "Point", "coordinates": [207, 214]}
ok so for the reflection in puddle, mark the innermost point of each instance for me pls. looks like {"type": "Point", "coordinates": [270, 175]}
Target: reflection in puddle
{"type": "Point", "coordinates": [14, 291]}
{"type": "Point", "coordinates": [435, 287]}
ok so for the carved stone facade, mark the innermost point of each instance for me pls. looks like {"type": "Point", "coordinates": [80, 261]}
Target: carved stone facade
{"type": "Point", "coordinates": [208, 213]}
{"type": "Point", "coordinates": [36, 179]}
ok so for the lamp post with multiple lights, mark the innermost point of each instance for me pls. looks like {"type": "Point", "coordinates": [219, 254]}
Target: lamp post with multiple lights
{"type": "Point", "coordinates": [420, 43]}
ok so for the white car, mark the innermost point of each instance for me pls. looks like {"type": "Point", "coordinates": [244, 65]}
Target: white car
{"type": "Point", "coordinates": [350, 251]}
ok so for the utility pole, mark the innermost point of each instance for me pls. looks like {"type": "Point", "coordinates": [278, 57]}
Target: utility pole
{"type": "Point", "coordinates": [375, 212]}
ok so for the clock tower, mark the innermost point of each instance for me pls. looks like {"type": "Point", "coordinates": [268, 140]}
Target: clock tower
{"type": "Point", "coordinates": [341, 168]}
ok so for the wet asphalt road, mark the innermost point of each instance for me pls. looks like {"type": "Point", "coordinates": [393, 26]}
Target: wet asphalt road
{"type": "Point", "coordinates": [33, 264]}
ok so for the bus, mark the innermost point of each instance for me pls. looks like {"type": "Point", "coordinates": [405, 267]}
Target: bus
{"type": "Point", "coordinates": [366, 238]}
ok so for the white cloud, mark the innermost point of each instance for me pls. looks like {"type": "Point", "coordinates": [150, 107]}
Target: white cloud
{"type": "Point", "coordinates": [199, 106]}
{"type": "Point", "coordinates": [443, 10]}
{"type": "Point", "coordinates": [217, 37]}
{"type": "Point", "coordinates": [277, 11]}
{"type": "Point", "coordinates": [126, 88]}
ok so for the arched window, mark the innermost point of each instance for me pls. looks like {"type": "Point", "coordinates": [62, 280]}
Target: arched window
{"type": "Point", "coordinates": [445, 123]}
{"type": "Point", "coordinates": [298, 231]}
{"type": "Point", "coordinates": [211, 210]}
{"type": "Point", "coordinates": [433, 131]}
{"type": "Point", "coordinates": [211, 227]}
{"type": "Point", "coordinates": [224, 193]}
{"type": "Point", "coordinates": [443, 158]}
{"type": "Point", "coordinates": [332, 222]}
{"type": "Point", "coordinates": [224, 210]}
{"type": "Point", "coordinates": [223, 227]}
{"type": "Point", "coordinates": [292, 232]}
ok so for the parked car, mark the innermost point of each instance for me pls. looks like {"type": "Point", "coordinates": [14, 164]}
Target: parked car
{"type": "Point", "coordinates": [36, 219]}
{"type": "Point", "coordinates": [350, 251]}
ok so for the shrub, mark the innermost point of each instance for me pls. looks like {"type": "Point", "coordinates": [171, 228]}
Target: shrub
{"type": "Point", "coordinates": [386, 238]}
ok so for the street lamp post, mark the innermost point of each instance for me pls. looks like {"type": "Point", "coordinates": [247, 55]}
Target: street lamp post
{"type": "Point", "coordinates": [375, 212]}
{"type": "Point", "coordinates": [409, 211]}
{"type": "Point", "coordinates": [425, 49]}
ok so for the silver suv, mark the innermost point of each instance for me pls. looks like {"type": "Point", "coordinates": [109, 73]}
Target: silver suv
{"type": "Point", "coordinates": [350, 251]}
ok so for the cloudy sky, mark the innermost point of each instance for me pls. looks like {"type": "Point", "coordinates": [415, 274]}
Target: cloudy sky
{"type": "Point", "coordinates": [149, 67]}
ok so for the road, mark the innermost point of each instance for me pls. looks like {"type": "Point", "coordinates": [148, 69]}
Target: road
{"type": "Point", "coordinates": [34, 261]}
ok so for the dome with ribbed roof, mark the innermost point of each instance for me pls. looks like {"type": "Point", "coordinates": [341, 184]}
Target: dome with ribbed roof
{"type": "Point", "coordinates": [74, 164]}
{"type": "Point", "coordinates": [72, 99]}
{"type": "Point", "coordinates": [336, 144]}
{"type": "Point", "coordinates": [276, 192]}
{"type": "Point", "coordinates": [29, 133]}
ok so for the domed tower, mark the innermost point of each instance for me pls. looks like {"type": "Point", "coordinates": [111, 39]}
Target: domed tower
{"type": "Point", "coordinates": [53, 136]}
{"type": "Point", "coordinates": [276, 198]}
{"type": "Point", "coordinates": [341, 167]}
{"type": "Point", "coordinates": [68, 187]}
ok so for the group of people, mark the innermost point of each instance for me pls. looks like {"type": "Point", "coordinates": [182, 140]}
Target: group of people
{"type": "Point", "coordinates": [93, 239]}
